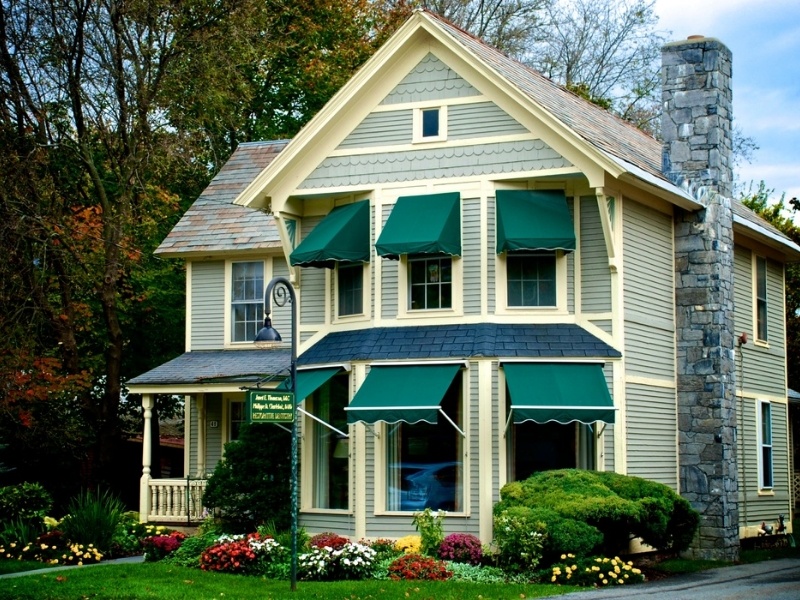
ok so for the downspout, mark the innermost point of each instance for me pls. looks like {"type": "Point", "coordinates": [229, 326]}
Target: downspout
{"type": "Point", "coordinates": [741, 341]}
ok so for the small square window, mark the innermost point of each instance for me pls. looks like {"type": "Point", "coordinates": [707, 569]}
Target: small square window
{"type": "Point", "coordinates": [430, 283]}
{"type": "Point", "coordinates": [430, 124]}
{"type": "Point", "coordinates": [350, 283]}
{"type": "Point", "coordinates": [531, 279]}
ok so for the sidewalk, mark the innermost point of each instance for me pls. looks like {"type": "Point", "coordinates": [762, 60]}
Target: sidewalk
{"type": "Point", "coordinates": [773, 579]}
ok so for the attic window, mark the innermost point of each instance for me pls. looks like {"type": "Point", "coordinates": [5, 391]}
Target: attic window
{"type": "Point", "coordinates": [430, 124]}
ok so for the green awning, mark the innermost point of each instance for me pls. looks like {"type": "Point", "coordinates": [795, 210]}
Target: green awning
{"type": "Point", "coordinates": [341, 236]}
{"type": "Point", "coordinates": [428, 224]}
{"type": "Point", "coordinates": [395, 393]}
{"type": "Point", "coordinates": [561, 392]}
{"type": "Point", "coordinates": [533, 220]}
{"type": "Point", "coordinates": [309, 380]}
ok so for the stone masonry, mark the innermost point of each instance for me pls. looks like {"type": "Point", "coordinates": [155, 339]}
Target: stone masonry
{"type": "Point", "coordinates": [696, 129]}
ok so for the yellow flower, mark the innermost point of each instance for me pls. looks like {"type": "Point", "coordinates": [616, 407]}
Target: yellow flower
{"type": "Point", "coordinates": [595, 568]}
{"type": "Point", "coordinates": [570, 556]}
{"type": "Point", "coordinates": [636, 571]}
{"type": "Point", "coordinates": [80, 563]}
{"type": "Point", "coordinates": [612, 574]}
{"type": "Point", "coordinates": [616, 569]}
{"type": "Point", "coordinates": [605, 581]}
{"type": "Point", "coordinates": [574, 567]}
{"type": "Point", "coordinates": [563, 557]}
{"type": "Point", "coordinates": [553, 578]}
{"type": "Point", "coordinates": [44, 546]}
{"type": "Point", "coordinates": [601, 575]}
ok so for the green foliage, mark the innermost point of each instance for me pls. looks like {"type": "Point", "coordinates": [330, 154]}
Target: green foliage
{"type": "Point", "coordinates": [251, 485]}
{"type": "Point", "coordinates": [594, 572]}
{"type": "Point", "coordinates": [19, 531]}
{"type": "Point", "coordinates": [192, 548]}
{"type": "Point", "coordinates": [563, 535]}
{"type": "Point", "coordinates": [519, 540]}
{"type": "Point", "coordinates": [475, 574]}
{"type": "Point", "coordinates": [93, 519]}
{"type": "Point", "coordinates": [25, 501]}
{"type": "Point", "coordinates": [617, 506]}
{"type": "Point", "coordinates": [128, 535]}
{"type": "Point", "coordinates": [431, 530]}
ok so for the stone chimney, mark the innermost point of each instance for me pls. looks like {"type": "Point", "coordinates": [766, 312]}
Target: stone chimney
{"type": "Point", "coordinates": [696, 129]}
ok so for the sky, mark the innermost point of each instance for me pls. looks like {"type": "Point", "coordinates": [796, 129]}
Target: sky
{"type": "Point", "coordinates": [764, 38]}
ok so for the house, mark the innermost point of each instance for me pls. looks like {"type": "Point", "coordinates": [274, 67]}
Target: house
{"type": "Point", "coordinates": [494, 277]}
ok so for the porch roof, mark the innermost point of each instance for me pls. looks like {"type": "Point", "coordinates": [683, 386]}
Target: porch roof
{"type": "Point", "coordinates": [214, 366]}
{"type": "Point", "coordinates": [560, 340]}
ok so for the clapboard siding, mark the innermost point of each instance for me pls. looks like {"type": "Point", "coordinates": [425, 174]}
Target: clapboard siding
{"type": "Point", "coordinates": [281, 315]}
{"type": "Point", "coordinates": [755, 508]}
{"type": "Point", "coordinates": [649, 286]}
{"type": "Point", "coordinates": [434, 163]}
{"type": "Point", "coordinates": [381, 129]}
{"type": "Point", "coordinates": [313, 523]}
{"type": "Point", "coordinates": [193, 430]}
{"type": "Point", "coordinates": [214, 449]}
{"type": "Point", "coordinates": [491, 235]}
{"type": "Point", "coordinates": [652, 433]}
{"type": "Point", "coordinates": [389, 281]}
{"type": "Point", "coordinates": [607, 447]}
{"type": "Point", "coordinates": [208, 312]}
{"type": "Point", "coordinates": [312, 300]}
{"type": "Point", "coordinates": [595, 275]}
{"type": "Point", "coordinates": [482, 119]}
{"type": "Point", "coordinates": [473, 274]}
{"type": "Point", "coordinates": [430, 79]}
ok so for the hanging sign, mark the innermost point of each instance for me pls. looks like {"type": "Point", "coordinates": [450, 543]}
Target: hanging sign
{"type": "Point", "coordinates": [270, 406]}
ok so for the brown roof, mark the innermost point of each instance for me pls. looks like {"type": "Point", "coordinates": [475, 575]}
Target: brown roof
{"type": "Point", "coordinates": [214, 223]}
{"type": "Point", "coordinates": [597, 126]}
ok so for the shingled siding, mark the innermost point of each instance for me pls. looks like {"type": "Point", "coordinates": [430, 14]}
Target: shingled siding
{"type": "Point", "coordinates": [652, 431]}
{"type": "Point", "coordinates": [595, 275]}
{"type": "Point", "coordinates": [434, 163]}
{"type": "Point", "coordinates": [431, 79]}
{"type": "Point", "coordinates": [471, 248]}
{"type": "Point", "coordinates": [208, 305]}
{"type": "Point", "coordinates": [755, 508]}
{"type": "Point", "coordinates": [648, 292]}
{"type": "Point", "coordinates": [760, 369]}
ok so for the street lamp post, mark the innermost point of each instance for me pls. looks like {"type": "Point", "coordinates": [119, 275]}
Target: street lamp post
{"type": "Point", "coordinates": [280, 290]}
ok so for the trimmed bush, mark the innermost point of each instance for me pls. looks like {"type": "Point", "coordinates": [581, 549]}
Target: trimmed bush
{"type": "Point", "coordinates": [617, 506]}
{"type": "Point", "coordinates": [251, 485]}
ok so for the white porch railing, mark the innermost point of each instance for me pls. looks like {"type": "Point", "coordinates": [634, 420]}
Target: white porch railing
{"type": "Point", "coordinates": [176, 500]}
{"type": "Point", "coordinates": [796, 489]}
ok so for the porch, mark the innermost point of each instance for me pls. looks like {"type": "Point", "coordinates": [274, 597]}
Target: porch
{"type": "Point", "coordinates": [175, 501]}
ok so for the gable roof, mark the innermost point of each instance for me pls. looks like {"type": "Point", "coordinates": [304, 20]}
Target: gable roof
{"type": "Point", "coordinates": [214, 223]}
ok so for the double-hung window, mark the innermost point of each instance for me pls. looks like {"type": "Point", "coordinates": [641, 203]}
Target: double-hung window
{"type": "Point", "coordinates": [765, 480]}
{"type": "Point", "coordinates": [761, 298]}
{"type": "Point", "coordinates": [531, 278]}
{"type": "Point", "coordinates": [247, 300]}
{"type": "Point", "coordinates": [237, 419]}
{"type": "Point", "coordinates": [330, 449]}
{"type": "Point", "coordinates": [350, 284]}
{"type": "Point", "coordinates": [430, 282]}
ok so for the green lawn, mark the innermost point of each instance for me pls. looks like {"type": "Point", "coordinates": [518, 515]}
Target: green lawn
{"type": "Point", "coordinates": [156, 580]}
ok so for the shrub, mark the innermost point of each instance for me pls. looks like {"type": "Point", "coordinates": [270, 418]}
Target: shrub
{"type": "Point", "coordinates": [475, 574]}
{"type": "Point", "coordinates": [461, 548]}
{"type": "Point", "coordinates": [595, 572]}
{"type": "Point", "coordinates": [189, 552]}
{"type": "Point", "coordinates": [409, 544]}
{"type": "Point", "coordinates": [431, 530]}
{"type": "Point", "coordinates": [563, 535]}
{"type": "Point", "coordinates": [616, 505]}
{"type": "Point", "coordinates": [333, 541]}
{"type": "Point", "coordinates": [383, 548]}
{"type": "Point", "coordinates": [93, 519]}
{"type": "Point", "coordinates": [25, 501]}
{"type": "Point", "coordinates": [21, 531]}
{"type": "Point", "coordinates": [519, 542]}
{"type": "Point", "coordinates": [416, 566]}
{"type": "Point", "coordinates": [158, 547]}
{"type": "Point", "coordinates": [350, 561]}
{"type": "Point", "coordinates": [128, 535]}
{"type": "Point", "coordinates": [251, 484]}
{"type": "Point", "coordinates": [51, 548]}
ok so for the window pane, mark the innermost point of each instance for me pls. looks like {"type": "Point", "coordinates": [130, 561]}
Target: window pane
{"type": "Point", "coordinates": [766, 423]}
{"type": "Point", "coordinates": [531, 279]}
{"type": "Point", "coordinates": [447, 301]}
{"type": "Point", "coordinates": [424, 462]}
{"type": "Point", "coordinates": [430, 286]}
{"type": "Point", "coordinates": [330, 450]}
{"type": "Point", "coordinates": [766, 458]}
{"type": "Point", "coordinates": [350, 283]}
{"type": "Point", "coordinates": [430, 122]}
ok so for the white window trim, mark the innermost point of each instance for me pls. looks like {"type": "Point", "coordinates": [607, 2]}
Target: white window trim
{"type": "Point", "coordinates": [457, 292]}
{"type": "Point", "coordinates": [417, 137]}
{"type": "Point", "coordinates": [501, 289]}
{"type": "Point", "coordinates": [757, 340]}
{"type": "Point", "coordinates": [381, 450]}
{"type": "Point", "coordinates": [366, 309]}
{"type": "Point", "coordinates": [228, 300]}
{"type": "Point", "coordinates": [761, 445]}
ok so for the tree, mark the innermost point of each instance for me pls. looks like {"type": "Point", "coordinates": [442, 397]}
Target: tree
{"type": "Point", "coordinates": [113, 116]}
{"type": "Point", "coordinates": [783, 218]}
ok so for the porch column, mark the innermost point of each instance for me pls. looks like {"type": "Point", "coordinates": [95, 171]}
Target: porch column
{"type": "Point", "coordinates": [147, 434]}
